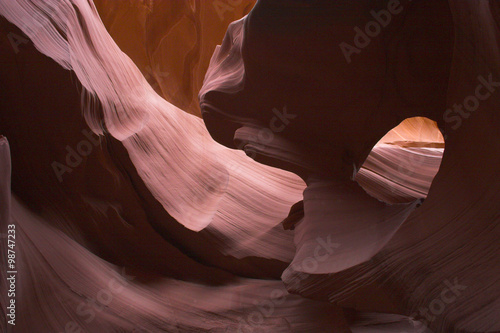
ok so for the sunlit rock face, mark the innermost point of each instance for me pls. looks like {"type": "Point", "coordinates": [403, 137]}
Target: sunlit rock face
{"type": "Point", "coordinates": [171, 41]}
{"type": "Point", "coordinates": [129, 217]}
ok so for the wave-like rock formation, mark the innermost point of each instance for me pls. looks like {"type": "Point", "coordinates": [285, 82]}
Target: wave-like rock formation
{"type": "Point", "coordinates": [351, 212]}
{"type": "Point", "coordinates": [334, 105]}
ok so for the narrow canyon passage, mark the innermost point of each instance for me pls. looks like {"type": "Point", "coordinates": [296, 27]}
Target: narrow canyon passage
{"type": "Point", "coordinates": [249, 166]}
